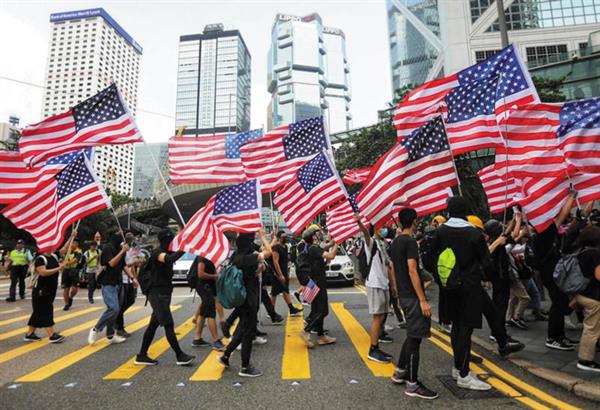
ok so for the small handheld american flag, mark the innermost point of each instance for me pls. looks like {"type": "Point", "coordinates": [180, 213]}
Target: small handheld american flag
{"type": "Point", "coordinates": [310, 291]}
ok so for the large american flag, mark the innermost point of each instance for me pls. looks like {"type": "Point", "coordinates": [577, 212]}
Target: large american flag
{"type": "Point", "coordinates": [17, 179]}
{"type": "Point", "coordinates": [100, 120]}
{"type": "Point", "coordinates": [339, 219]}
{"type": "Point", "coordinates": [235, 208]}
{"type": "Point", "coordinates": [414, 168]}
{"type": "Point", "coordinates": [54, 204]}
{"type": "Point", "coordinates": [208, 159]}
{"type": "Point", "coordinates": [310, 291]}
{"type": "Point", "coordinates": [472, 100]}
{"type": "Point", "coordinates": [274, 158]}
{"type": "Point", "coordinates": [423, 205]}
{"type": "Point", "coordinates": [499, 188]}
{"type": "Point", "coordinates": [356, 176]}
{"type": "Point", "coordinates": [314, 187]}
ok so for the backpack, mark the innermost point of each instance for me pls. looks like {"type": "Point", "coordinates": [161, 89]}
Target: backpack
{"type": "Point", "coordinates": [231, 291]}
{"type": "Point", "coordinates": [34, 276]}
{"type": "Point", "coordinates": [303, 267]}
{"type": "Point", "coordinates": [447, 270]}
{"type": "Point", "coordinates": [192, 275]}
{"type": "Point", "coordinates": [568, 275]}
{"type": "Point", "coordinates": [146, 276]}
{"type": "Point", "coordinates": [368, 269]}
{"type": "Point", "coordinates": [362, 262]}
{"type": "Point", "coordinates": [426, 253]}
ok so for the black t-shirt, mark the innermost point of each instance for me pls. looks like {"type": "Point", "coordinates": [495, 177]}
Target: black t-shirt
{"type": "Point", "coordinates": [404, 248]}
{"type": "Point", "coordinates": [500, 261]}
{"type": "Point", "coordinates": [162, 272]}
{"type": "Point", "coordinates": [589, 259]}
{"type": "Point", "coordinates": [48, 284]}
{"type": "Point", "coordinates": [112, 276]}
{"type": "Point", "coordinates": [283, 259]}
{"type": "Point", "coordinates": [209, 268]}
{"type": "Point", "coordinates": [248, 263]}
{"type": "Point", "coordinates": [545, 249]}
{"type": "Point", "coordinates": [318, 266]}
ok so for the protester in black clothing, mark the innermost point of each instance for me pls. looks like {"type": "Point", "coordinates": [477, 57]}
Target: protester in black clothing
{"type": "Point", "coordinates": [207, 290]}
{"type": "Point", "coordinates": [465, 303]}
{"type": "Point", "coordinates": [281, 280]}
{"type": "Point", "coordinates": [159, 296]}
{"type": "Point", "coordinates": [404, 254]}
{"type": "Point", "coordinates": [248, 260]}
{"type": "Point", "coordinates": [318, 258]}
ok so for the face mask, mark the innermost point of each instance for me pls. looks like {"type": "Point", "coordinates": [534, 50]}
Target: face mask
{"type": "Point", "coordinates": [383, 232]}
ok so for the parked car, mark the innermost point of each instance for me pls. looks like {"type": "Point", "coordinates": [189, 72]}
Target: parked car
{"type": "Point", "coordinates": [340, 270]}
{"type": "Point", "coordinates": [182, 267]}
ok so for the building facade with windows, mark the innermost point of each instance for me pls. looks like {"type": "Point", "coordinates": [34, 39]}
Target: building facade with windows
{"type": "Point", "coordinates": [145, 176]}
{"type": "Point", "coordinates": [308, 73]}
{"type": "Point", "coordinates": [434, 38]}
{"type": "Point", "coordinates": [213, 82]}
{"type": "Point", "coordinates": [88, 51]}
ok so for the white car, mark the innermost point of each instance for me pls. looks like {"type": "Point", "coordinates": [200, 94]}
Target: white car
{"type": "Point", "coordinates": [182, 267]}
{"type": "Point", "coordinates": [340, 269]}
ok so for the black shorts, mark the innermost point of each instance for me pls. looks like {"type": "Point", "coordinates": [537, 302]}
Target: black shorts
{"type": "Point", "coordinates": [207, 293]}
{"type": "Point", "coordinates": [161, 307]}
{"type": "Point", "coordinates": [69, 278]}
{"type": "Point", "coordinates": [277, 287]}
{"type": "Point", "coordinates": [417, 325]}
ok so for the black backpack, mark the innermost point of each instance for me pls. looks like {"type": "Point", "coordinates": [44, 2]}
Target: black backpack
{"type": "Point", "coordinates": [427, 254]}
{"type": "Point", "coordinates": [373, 255]}
{"type": "Point", "coordinates": [146, 276]}
{"type": "Point", "coordinates": [303, 266]}
{"type": "Point", "coordinates": [192, 275]}
{"type": "Point", "coordinates": [362, 262]}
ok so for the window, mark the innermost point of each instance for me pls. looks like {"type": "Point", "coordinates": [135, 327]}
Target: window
{"type": "Point", "coordinates": [541, 55]}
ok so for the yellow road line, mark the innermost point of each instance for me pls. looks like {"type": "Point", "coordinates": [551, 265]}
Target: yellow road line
{"type": "Point", "coordinates": [361, 288]}
{"type": "Point", "coordinates": [361, 340]}
{"type": "Point", "coordinates": [130, 369]}
{"type": "Point", "coordinates": [295, 363]}
{"type": "Point", "coordinates": [70, 359]}
{"type": "Point", "coordinates": [30, 347]}
{"type": "Point", "coordinates": [20, 318]}
{"type": "Point", "coordinates": [210, 369]}
{"type": "Point", "coordinates": [6, 312]}
{"type": "Point", "coordinates": [23, 330]}
{"type": "Point", "coordinates": [516, 381]}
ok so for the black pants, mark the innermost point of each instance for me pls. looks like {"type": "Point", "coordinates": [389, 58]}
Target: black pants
{"type": "Point", "coordinates": [396, 307]}
{"type": "Point", "coordinates": [501, 296]}
{"type": "Point", "coordinates": [129, 295]}
{"type": "Point", "coordinates": [319, 309]}
{"type": "Point", "coordinates": [461, 346]}
{"type": "Point", "coordinates": [245, 330]}
{"type": "Point", "coordinates": [409, 358]}
{"type": "Point", "coordinates": [495, 321]}
{"type": "Point", "coordinates": [161, 316]}
{"type": "Point", "coordinates": [266, 301]}
{"type": "Point", "coordinates": [91, 286]}
{"type": "Point", "coordinates": [443, 306]}
{"type": "Point", "coordinates": [558, 308]}
{"type": "Point", "coordinates": [17, 275]}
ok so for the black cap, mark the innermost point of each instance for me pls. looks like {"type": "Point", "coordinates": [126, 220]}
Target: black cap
{"type": "Point", "coordinates": [20, 241]}
{"type": "Point", "coordinates": [165, 233]}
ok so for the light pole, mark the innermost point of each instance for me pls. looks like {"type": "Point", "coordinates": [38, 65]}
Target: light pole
{"type": "Point", "coordinates": [502, 23]}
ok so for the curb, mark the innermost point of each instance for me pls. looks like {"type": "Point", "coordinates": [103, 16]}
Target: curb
{"type": "Point", "coordinates": [579, 387]}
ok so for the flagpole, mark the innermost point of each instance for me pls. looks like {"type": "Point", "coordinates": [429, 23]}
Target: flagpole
{"type": "Point", "coordinates": [76, 227]}
{"type": "Point", "coordinates": [505, 141]}
{"type": "Point", "coordinates": [452, 156]}
{"type": "Point", "coordinates": [118, 223]}
{"type": "Point", "coordinates": [572, 186]}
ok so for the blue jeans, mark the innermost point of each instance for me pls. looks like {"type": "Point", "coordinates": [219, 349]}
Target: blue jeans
{"type": "Point", "coordinates": [113, 299]}
{"type": "Point", "coordinates": [536, 303]}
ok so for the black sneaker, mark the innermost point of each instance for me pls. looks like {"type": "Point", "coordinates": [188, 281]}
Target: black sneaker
{"type": "Point", "coordinates": [260, 333]}
{"type": "Point", "coordinates": [517, 323]}
{"type": "Point", "coordinates": [200, 343]}
{"type": "Point", "coordinates": [385, 338]}
{"type": "Point", "coordinates": [32, 337]}
{"type": "Point", "coordinates": [590, 366]}
{"type": "Point", "coordinates": [559, 344]}
{"type": "Point", "coordinates": [401, 325]}
{"type": "Point", "coordinates": [56, 338]}
{"type": "Point", "coordinates": [223, 360]}
{"type": "Point", "coordinates": [123, 333]}
{"type": "Point", "coordinates": [184, 359]}
{"type": "Point", "coordinates": [295, 311]}
{"type": "Point", "coordinates": [249, 371]}
{"type": "Point", "coordinates": [10, 300]}
{"type": "Point", "coordinates": [510, 348]}
{"type": "Point", "coordinates": [421, 392]}
{"type": "Point", "coordinates": [91, 301]}
{"type": "Point", "coordinates": [66, 308]}
{"type": "Point", "coordinates": [400, 376]}
{"type": "Point", "coordinates": [571, 341]}
{"type": "Point", "coordinates": [475, 359]}
{"type": "Point", "coordinates": [297, 296]}
{"type": "Point", "coordinates": [225, 329]}
{"type": "Point", "coordinates": [277, 320]}
{"type": "Point", "coordinates": [22, 297]}
{"type": "Point", "coordinates": [144, 361]}
{"type": "Point", "coordinates": [70, 302]}
{"type": "Point", "coordinates": [378, 356]}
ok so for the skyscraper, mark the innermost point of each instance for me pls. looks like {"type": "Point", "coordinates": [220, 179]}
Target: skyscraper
{"type": "Point", "coordinates": [308, 72]}
{"type": "Point", "coordinates": [213, 82]}
{"type": "Point", "coordinates": [89, 50]}
{"type": "Point", "coordinates": [144, 170]}
{"type": "Point", "coordinates": [433, 38]}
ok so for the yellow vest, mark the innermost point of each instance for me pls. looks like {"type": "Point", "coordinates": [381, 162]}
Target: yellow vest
{"type": "Point", "coordinates": [19, 258]}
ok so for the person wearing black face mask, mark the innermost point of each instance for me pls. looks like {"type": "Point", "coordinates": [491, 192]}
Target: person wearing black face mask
{"type": "Point", "coordinates": [281, 281]}
{"type": "Point", "coordinates": [159, 296]}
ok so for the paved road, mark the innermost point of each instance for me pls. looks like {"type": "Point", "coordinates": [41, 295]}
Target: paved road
{"type": "Point", "coordinates": [334, 377]}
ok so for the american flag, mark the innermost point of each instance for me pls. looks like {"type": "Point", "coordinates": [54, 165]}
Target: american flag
{"type": "Point", "coordinates": [424, 205]}
{"type": "Point", "coordinates": [579, 134]}
{"type": "Point", "coordinates": [310, 291]}
{"type": "Point", "coordinates": [315, 186]}
{"type": "Point", "coordinates": [235, 208]}
{"type": "Point", "coordinates": [54, 204]}
{"type": "Point", "coordinates": [414, 168]}
{"type": "Point", "coordinates": [339, 219]}
{"type": "Point", "coordinates": [208, 159]}
{"type": "Point", "coordinates": [472, 99]}
{"type": "Point", "coordinates": [100, 120]}
{"type": "Point", "coordinates": [499, 189]}
{"type": "Point", "coordinates": [357, 176]}
{"type": "Point", "coordinates": [274, 158]}
{"type": "Point", "coordinates": [17, 179]}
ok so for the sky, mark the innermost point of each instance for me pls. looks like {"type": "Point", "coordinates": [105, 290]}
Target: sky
{"type": "Point", "coordinates": [157, 25]}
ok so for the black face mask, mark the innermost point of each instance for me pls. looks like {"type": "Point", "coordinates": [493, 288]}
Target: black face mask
{"type": "Point", "coordinates": [166, 241]}
{"type": "Point", "coordinates": [115, 240]}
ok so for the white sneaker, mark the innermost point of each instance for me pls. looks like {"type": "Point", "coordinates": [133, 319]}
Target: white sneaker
{"type": "Point", "coordinates": [258, 340]}
{"type": "Point", "coordinates": [455, 373]}
{"type": "Point", "coordinates": [92, 336]}
{"type": "Point", "coordinates": [116, 339]}
{"type": "Point", "coordinates": [239, 347]}
{"type": "Point", "coordinates": [472, 382]}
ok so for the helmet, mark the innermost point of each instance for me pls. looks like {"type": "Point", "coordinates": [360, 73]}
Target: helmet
{"type": "Point", "coordinates": [439, 219]}
{"type": "Point", "coordinates": [493, 228]}
{"type": "Point", "coordinates": [314, 227]}
{"type": "Point", "coordinates": [475, 221]}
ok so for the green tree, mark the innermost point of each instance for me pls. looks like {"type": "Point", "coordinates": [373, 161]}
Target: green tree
{"type": "Point", "coordinates": [364, 147]}
{"type": "Point", "coordinates": [549, 89]}
{"type": "Point", "coordinates": [12, 143]}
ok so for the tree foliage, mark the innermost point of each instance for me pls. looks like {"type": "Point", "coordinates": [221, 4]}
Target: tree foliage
{"type": "Point", "coordinates": [364, 147]}
{"type": "Point", "coordinates": [549, 89]}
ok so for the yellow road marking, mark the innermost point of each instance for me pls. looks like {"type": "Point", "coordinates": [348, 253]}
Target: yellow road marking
{"type": "Point", "coordinates": [20, 318]}
{"type": "Point", "coordinates": [6, 312]}
{"type": "Point", "coordinates": [23, 330]}
{"type": "Point", "coordinates": [361, 341]}
{"type": "Point", "coordinates": [361, 288]}
{"type": "Point", "coordinates": [295, 363]}
{"type": "Point", "coordinates": [210, 369]}
{"type": "Point", "coordinates": [30, 347]}
{"type": "Point", "coordinates": [130, 369]}
{"type": "Point", "coordinates": [70, 359]}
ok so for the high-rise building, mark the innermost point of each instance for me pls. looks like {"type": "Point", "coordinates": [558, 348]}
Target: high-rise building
{"type": "Point", "coordinates": [88, 51]}
{"type": "Point", "coordinates": [308, 72]}
{"type": "Point", "coordinates": [144, 170]}
{"type": "Point", "coordinates": [433, 38]}
{"type": "Point", "coordinates": [213, 82]}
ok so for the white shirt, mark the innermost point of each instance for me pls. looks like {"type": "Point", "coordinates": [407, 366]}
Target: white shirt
{"type": "Point", "coordinates": [378, 276]}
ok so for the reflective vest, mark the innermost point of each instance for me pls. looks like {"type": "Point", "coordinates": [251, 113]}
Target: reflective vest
{"type": "Point", "coordinates": [92, 258]}
{"type": "Point", "coordinates": [19, 258]}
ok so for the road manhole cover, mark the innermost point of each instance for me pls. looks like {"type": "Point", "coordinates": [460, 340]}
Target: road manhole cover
{"type": "Point", "coordinates": [464, 394]}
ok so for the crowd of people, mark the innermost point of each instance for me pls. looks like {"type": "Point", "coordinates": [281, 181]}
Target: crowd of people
{"type": "Point", "coordinates": [490, 270]}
